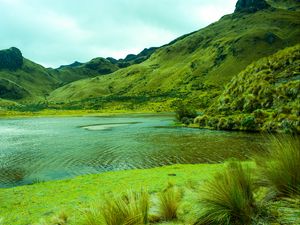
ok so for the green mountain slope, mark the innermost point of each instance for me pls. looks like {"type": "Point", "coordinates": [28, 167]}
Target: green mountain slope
{"type": "Point", "coordinates": [98, 66]}
{"type": "Point", "coordinates": [196, 66]}
{"type": "Point", "coordinates": [265, 96]}
{"type": "Point", "coordinates": [30, 81]}
{"type": "Point", "coordinates": [70, 73]}
{"type": "Point", "coordinates": [285, 4]}
{"type": "Point", "coordinates": [27, 82]}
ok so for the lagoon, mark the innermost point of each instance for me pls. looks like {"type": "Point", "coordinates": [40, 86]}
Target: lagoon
{"type": "Point", "coordinates": [50, 148]}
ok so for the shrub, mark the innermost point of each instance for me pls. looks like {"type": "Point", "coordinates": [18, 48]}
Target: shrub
{"type": "Point", "coordinates": [187, 121]}
{"type": "Point", "coordinates": [201, 120]}
{"type": "Point", "coordinates": [226, 123]}
{"type": "Point", "coordinates": [228, 198]}
{"type": "Point", "coordinates": [185, 112]}
{"type": "Point", "coordinates": [213, 122]}
{"type": "Point", "coordinates": [130, 209]}
{"type": "Point", "coordinates": [288, 126]}
{"type": "Point", "coordinates": [248, 123]}
{"type": "Point", "coordinates": [169, 201]}
{"type": "Point", "coordinates": [279, 167]}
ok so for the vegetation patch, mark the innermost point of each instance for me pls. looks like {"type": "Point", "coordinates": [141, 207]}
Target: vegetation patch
{"type": "Point", "coordinates": [264, 97]}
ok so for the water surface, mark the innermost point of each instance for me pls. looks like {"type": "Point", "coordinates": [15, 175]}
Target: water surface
{"type": "Point", "coordinates": [41, 149]}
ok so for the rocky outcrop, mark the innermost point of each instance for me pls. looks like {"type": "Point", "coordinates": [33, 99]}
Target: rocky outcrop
{"type": "Point", "coordinates": [11, 59]}
{"type": "Point", "coordinates": [251, 6]}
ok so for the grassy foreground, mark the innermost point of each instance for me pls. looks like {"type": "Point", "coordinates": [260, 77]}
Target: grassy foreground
{"type": "Point", "coordinates": [28, 204]}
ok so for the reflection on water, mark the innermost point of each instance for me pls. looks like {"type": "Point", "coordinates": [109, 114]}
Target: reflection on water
{"type": "Point", "coordinates": [34, 149]}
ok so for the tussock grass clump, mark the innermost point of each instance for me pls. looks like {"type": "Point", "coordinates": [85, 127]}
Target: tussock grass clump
{"type": "Point", "coordinates": [228, 198]}
{"type": "Point", "coordinates": [169, 201]}
{"type": "Point", "coordinates": [129, 209]}
{"type": "Point", "coordinates": [60, 219]}
{"type": "Point", "coordinates": [280, 167]}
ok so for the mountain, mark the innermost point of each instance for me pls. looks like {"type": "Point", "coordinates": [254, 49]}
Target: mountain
{"type": "Point", "coordinates": [76, 71]}
{"type": "Point", "coordinates": [132, 59]}
{"type": "Point", "coordinates": [197, 66]}
{"type": "Point", "coordinates": [21, 79]}
{"type": "Point", "coordinates": [286, 4]}
{"type": "Point", "coordinates": [98, 66]}
{"type": "Point", "coordinates": [251, 6]}
{"type": "Point", "coordinates": [265, 96]}
{"type": "Point", "coordinates": [11, 59]}
{"type": "Point", "coordinates": [193, 68]}
{"type": "Point", "coordinates": [25, 81]}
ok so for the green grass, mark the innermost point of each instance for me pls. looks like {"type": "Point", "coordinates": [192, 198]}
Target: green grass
{"type": "Point", "coordinates": [279, 167]}
{"type": "Point", "coordinates": [88, 199]}
{"type": "Point", "coordinates": [59, 219]}
{"type": "Point", "coordinates": [31, 203]}
{"type": "Point", "coordinates": [30, 83]}
{"type": "Point", "coordinates": [228, 198]}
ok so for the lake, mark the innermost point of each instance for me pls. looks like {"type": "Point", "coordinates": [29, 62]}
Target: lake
{"type": "Point", "coordinates": [42, 149]}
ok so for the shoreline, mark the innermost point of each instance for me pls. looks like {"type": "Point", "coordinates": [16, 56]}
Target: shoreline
{"type": "Point", "coordinates": [70, 113]}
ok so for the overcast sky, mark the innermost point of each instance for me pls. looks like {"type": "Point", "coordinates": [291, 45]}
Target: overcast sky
{"type": "Point", "coordinates": [57, 32]}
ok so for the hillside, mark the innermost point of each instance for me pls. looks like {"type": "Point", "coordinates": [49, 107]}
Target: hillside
{"type": "Point", "coordinates": [98, 66]}
{"type": "Point", "coordinates": [285, 4]}
{"type": "Point", "coordinates": [27, 82]}
{"type": "Point", "coordinates": [265, 96]}
{"type": "Point", "coordinates": [194, 67]}
{"type": "Point", "coordinates": [73, 72]}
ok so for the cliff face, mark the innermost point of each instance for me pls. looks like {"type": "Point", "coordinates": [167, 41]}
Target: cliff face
{"type": "Point", "coordinates": [11, 59]}
{"type": "Point", "coordinates": [251, 6]}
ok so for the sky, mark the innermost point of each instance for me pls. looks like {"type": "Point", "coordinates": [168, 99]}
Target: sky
{"type": "Point", "coordinates": [59, 32]}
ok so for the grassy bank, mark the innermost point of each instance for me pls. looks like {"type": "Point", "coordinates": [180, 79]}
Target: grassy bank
{"type": "Point", "coordinates": [65, 113]}
{"type": "Point", "coordinates": [28, 204]}
{"type": "Point", "coordinates": [41, 202]}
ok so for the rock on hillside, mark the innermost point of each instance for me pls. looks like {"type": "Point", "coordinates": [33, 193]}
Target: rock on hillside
{"type": "Point", "coordinates": [11, 59]}
{"type": "Point", "coordinates": [251, 5]}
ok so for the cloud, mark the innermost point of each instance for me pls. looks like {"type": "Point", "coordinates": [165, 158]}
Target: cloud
{"type": "Point", "coordinates": [55, 32]}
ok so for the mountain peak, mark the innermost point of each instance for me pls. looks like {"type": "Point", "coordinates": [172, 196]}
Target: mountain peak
{"type": "Point", "coordinates": [11, 59]}
{"type": "Point", "coordinates": [251, 6]}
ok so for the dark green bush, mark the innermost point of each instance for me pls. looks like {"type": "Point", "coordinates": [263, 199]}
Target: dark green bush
{"type": "Point", "coordinates": [248, 123]}
{"type": "Point", "coordinates": [185, 113]}
{"type": "Point", "coordinates": [213, 122]}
